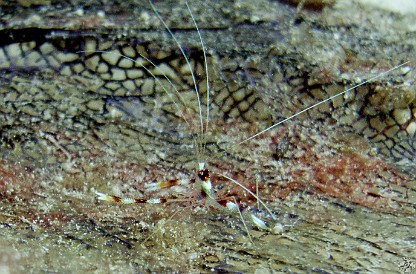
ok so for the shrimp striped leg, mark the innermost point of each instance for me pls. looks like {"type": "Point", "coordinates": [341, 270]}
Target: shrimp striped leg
{"type": "Point", "coordinates": [204, 181]}
{"type": "Point", "coordinates": [128, 201]}
{"type": "Point", "coordinates": [149, 187]}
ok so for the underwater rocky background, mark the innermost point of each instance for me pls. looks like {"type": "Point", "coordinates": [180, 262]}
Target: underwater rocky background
{"type": "Point", "coordinates": [340, 178]}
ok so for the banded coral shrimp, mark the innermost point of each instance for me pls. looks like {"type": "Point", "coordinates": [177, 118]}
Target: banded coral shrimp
{"type": "Point", "coordinates": [204, 179]}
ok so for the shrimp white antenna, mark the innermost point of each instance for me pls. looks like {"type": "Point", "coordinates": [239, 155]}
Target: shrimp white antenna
{"type": "Point", "coordinates": [321, 102]}
{"type": "Point", "coordinates": [242, 219]}
{"type": "Point", "coordinates": [206, 65]}
{"type": "Point", "coordinates": [189, 65]}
